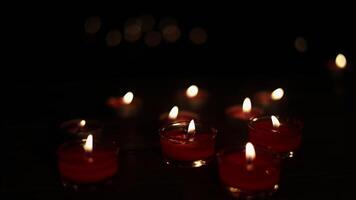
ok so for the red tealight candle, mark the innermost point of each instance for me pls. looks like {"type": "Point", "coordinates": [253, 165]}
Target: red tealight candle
{"type": "Point", "coordinates": [339, 64]}
{"type": "Point", "coordinates": [126, 106]}
{"type": "Point", "coordinates": [87, 163]}
{"type": "Point", "coordinates": [194, 97]}
{"type": "Point", "coordinates": [187, 147]}
{"type": "Point", "coordinates": [247, 173]}
{"type": "Point", "coordinates": [244, 112]}
{"type": "Point", "coordinates": [267, 97]}
{"type": "Point", "coordinates": [283, 137]}
{"type": "Point", "coordinates": [81, 128]}
{"type": "Point", "coordinates": [176, 115]}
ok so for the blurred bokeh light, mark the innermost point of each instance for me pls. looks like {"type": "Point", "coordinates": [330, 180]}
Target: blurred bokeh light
{"type": "Point", "coordinates": [300, 44]}
{"type": "Point", "coordinates": [198, 35]}
{"type": "Point", "coordinates": [153, 38]}
{"type": "Point", "coordinates": [132, 30]}
{"type": "Point", "coordinates": [92, 25]}
{"type": "Point", "coordinates": [113, 38]}
{"type": "Point", "coordinates": [340, 61]}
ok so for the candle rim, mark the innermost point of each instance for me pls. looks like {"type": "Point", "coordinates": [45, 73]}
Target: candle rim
{"type": "Point", "coordinates": [164, 115]}
{"type": "Point", "coordinates": [254, 109]}
{"type": "Point", "coordinates": [293, 122]}
{"type": "Point", "coordinates": [183, 127]}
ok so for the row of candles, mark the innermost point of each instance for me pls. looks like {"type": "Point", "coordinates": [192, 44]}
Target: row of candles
{"type": "Point", "coordinates": [187, 142]}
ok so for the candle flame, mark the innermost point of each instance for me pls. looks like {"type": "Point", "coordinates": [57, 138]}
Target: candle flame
{"type": "Point", "coordinates": [173, 113]}
{"type": "Point", "coordinates": [192, 91]}
{"type": "Point", "coordinates": [191, 127]}
{"type": "Point", "coordinates": [88, 146]}
{"type": "Point", "coordinates": [82, 123]}
{"type": "Point", "coordinates": [246, 105]}
{"type": "Point", "coordinates": [128, 97]}
{"type": "Point", "coordinates": [275, 121]}
{"type": "Point", "coordinates": [277, 94]}
{"type": "Point", "coordinates": [250, 152]}
{"type": "Point", "coordinates": [340, 61]}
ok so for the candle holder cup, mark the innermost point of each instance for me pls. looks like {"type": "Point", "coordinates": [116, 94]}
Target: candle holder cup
{"type": "Point", "coordinates": [182, 149]}
{"type": "Point", "coordinates": [80, 170]}
{"type": "Point", "coordinates": [284, 140]}
{"type": "Point", "coordinates": [249, 180]}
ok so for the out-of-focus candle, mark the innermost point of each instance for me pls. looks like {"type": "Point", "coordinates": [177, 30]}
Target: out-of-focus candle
{"type": "Point", "coordinates": [79, 128]}
{"type": "Point", "coordinates": [271, 101]}
{"type": "Point", "coordinates": [192, 91]}
{"type": "Point", "coordinates": [277, 94]}
{"type": "Point", "coordinates": [126, 106]}
{"type": "Point", "coordinates": [340, 61]}
{"type": "Point", "coordinates": [194, 97]}
{"type": "Point", "coordinates": [176, 115]}
{"type": "Point", "coordinates": [244, 112]}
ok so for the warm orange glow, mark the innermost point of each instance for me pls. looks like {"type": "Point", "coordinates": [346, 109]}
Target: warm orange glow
{"type": "Point", "coordinates": [92, 25]}
{"type": "Point", "coordinates": [246, 105]}
{"type": "Point", "coordinates": [128, 97]}
{"type": "Point", "coordinates": [153, 38]}
{"type": "Point", "coordinates": [191, 127]}
{"type": "Point", "coordinates": [171, 33]}
{"type": "Point", "coordinates": [147, 22]}
{"type": "Point", "coordinates": [275, 121]}
{"type": "Point", "coordinates": [88, 146]}
{"type": "Point", "coordinates": [340, 61]}
{"type": "Point", "coordinates": [301, 44]}
{"type": "Point", "coordinates": [132, 30]}
{"type": "Point", "coordinates": [250, 152]}
{"type": "Point", "coordinates": [173, 113]}
{"type": "Point", "coordinates": [113, 38]}
{"type": "Point", "coordinates": [82, 123]}
{"type": "Point", "coordinates": [277, 94]}
{"type": "Point", "coordinates": [192, 91]}
{"type": "Point", "coordinates": [198, 35]}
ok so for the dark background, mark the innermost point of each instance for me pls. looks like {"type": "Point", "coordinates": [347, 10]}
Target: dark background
{"type": "Point", "coordinates": [54, 72]}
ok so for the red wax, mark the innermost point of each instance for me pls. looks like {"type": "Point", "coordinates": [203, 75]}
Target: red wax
{"type": "Point", "coordinates": [236, 112]}
{"type": "Point", "coordinates": [262, 177]}
{"type": "Point", "coordinates": [78, 166]}
{"type": "Point", "coordinates": [183, 116]}
{"type": "Point", "coordinates": [176, 146]}
{"type": "Point", "coordinates": [285, 138]}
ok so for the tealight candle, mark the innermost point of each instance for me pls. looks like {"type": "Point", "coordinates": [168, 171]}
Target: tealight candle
{"type": "Point", "coordinates": [244, 112]}
{"type": "Point", "coordinates": [126, 106]}
{"type": "Point", "coordinates": [176, 115]}
{"type": "Point", "coordinates": [86, 162]}
{"type": "Point", "coordinates": [249, 173]}
{"type": "Point", "coordinates": [79, 128]}
{"type": "Point", "coordinates": [269, 100]}
{"type": "Point", "coordinates": [194, 97]}
{"type": "Point", "coordinates": [337, 68]}
{"type": "Point", "coordinates": [187, 145]}
{"type": "Point", "coordinates": [280, 136]}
